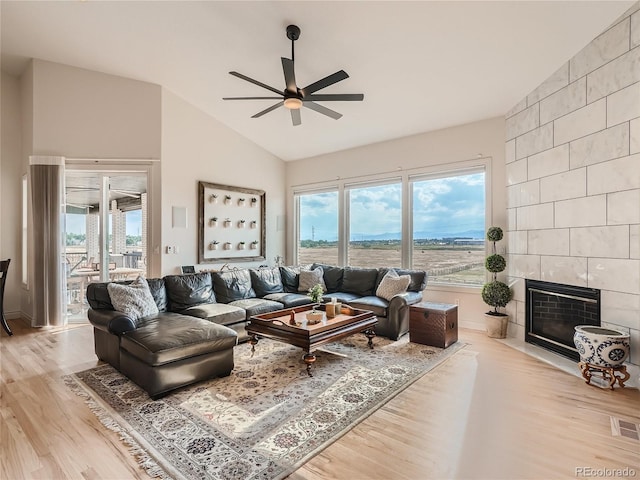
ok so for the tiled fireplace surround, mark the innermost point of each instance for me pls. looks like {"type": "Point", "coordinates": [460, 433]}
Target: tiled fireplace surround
{"type": "Point", "coordinates": [573, 180]}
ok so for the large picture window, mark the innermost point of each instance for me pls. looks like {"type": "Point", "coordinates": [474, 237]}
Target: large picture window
{"type": "Point", "coordinates": [375, 225]}
{"type": "Point", "coordinates": [428, 219]}
{"type": "Point", "coordinates": [448, 228]}
{"type": "Point", "coordinates": [318, 228]}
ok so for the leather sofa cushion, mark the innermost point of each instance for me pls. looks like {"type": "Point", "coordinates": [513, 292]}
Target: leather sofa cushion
{"type": "Point", "coordinates": [257, 306]}
{"type": "Point", "coordinates": [289, 300]}
{"type": "Point", "coordinates": [98, 296]}
{"type": "Point", "coordinates": [220, 313]}
{"type": "Point", "coordinates": [290, 277]}
{"type": "Point", "coordinates": [375, 304]}
{"type": "Point", "coordinates": [172, 337]}
{"type": "Point", "coordinates": [184, 291]}
{"type": "Point", "coordinates": [332, 276]}
{"type": "Point", "coordinates": [360, 281]}
{"type": "Point", "coordinates": [266, 281]}
{"type": "Point", "coordinates": [159, 292]}
{"type": "Point", "coordinates": [342, 297]}
{"type": "Point", "coordinates": [418, 278]}
{"type": "Point", "coordinates": [232, 285]}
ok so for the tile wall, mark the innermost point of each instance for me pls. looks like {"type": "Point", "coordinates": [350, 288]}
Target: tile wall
{"type": "Point", "coordinates": [573, 179]}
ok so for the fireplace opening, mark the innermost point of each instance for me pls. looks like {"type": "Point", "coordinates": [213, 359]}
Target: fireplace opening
{"type": "Point", "coordinates": [552, 312]}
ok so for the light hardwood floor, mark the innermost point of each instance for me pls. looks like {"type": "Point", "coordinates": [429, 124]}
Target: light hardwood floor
{"type": "Point", "coordinates": [488, 412]}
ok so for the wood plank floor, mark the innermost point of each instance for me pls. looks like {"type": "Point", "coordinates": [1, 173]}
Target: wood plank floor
{"type": "Point", "coordinates": [489, 412]}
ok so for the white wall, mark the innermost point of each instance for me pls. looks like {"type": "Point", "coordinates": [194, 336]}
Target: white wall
{"type": "Point", "coordinates": [573, 176]}
{"type": "Point", "coordinates": [456, 144]}
{"type": "Point", "coordinates": [196, 147]}
{"type": "Point", "coordinates": [84, 114]}
{"type": "Point", "coordinates": [11, 192]}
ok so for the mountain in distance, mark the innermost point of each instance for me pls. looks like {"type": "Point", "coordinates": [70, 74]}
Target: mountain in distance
{"type": "Point", "coordinates": [473, 234]}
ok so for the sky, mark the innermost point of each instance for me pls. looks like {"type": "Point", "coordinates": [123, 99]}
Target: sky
{"type": "Point", "coordinates": [442, 207]}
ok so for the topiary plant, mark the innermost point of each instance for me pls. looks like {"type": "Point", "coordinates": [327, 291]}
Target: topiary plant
{"type": "Point", "coordinates": [495, 293]}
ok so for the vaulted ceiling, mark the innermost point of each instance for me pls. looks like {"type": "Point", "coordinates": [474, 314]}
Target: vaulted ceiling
{"type": "Point", "coordinates": [421, 65]}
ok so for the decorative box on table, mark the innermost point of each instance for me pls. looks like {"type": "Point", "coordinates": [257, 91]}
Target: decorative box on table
{"type": "Point", "coordinates": [434, 324]}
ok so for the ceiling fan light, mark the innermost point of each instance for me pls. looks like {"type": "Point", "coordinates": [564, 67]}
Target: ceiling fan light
{"type": "Point", "coordinates": [293, 103]}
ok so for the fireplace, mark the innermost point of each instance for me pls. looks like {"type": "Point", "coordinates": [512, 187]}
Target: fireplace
{"type": "Point", "coordinates": [552, 312]}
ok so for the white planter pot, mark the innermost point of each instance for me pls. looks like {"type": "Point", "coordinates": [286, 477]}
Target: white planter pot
{"type": "Point", "coordinates": [213, 246]}
{"type": "Point", "coordinates": [227, 246]}
{"type": "Point", "coordinates": [253, 246]}
{"type": "Point", "coordinates": [241, 224]}
{"type": "Point", "coordinates": [496, 325]}
{"type": "Point", "coordinates": [241, 246]}
{"type": "Point", "coordinates": [314, 317]}
{"type": "Point", "coordinates": [600, 346]}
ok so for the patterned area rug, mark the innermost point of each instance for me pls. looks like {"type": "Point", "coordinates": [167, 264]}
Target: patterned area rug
{"type": "Point", "coordinates": [264, 420]}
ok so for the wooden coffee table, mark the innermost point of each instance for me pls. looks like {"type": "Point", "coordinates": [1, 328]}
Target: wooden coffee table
{"type": "Point", "coordinates": [276, 326]}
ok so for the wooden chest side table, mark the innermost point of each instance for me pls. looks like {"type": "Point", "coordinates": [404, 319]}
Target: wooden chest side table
{"type": "Point", "coordinates": [434, 324]}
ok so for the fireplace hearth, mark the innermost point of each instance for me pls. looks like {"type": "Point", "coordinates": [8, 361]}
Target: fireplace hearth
{"type": "Point", "coordinates": [553, 311]}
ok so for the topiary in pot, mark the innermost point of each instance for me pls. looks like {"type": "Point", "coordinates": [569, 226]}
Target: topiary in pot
{"type": "Point", "coordinates": [496, 293]}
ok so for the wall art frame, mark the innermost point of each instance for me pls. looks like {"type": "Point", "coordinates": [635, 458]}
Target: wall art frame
{"type": "Point", "coordinates": [231, 222]}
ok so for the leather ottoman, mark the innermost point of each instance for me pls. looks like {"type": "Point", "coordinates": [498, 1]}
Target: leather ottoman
{"type": "Point", "coordinates": [434, 324]}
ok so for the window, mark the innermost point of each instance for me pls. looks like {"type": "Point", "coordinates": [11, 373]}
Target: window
{"type": "Point", "coordinates": [448, 228]}
{"type": "Point", "coordinates": [426, 219]}
{"type": "Point", "coordinates": [375, 225]}
{"type": "Point", "coordinates": [318, 228]}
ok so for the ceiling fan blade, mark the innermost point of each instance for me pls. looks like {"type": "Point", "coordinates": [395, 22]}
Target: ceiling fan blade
{"type": "Point", "coordinates": [256, 82]}
{"type": "Point", "coordinates": [324, 110]}
{"type": "Point", "coordinates": [289, 75]}
{"type": "Point", "coordinates": [251, 98]}
{"type": "Point", "coordinates": [295, 117]}
{"type": "Point", "coordinates": [337, 97]}
{"type": "Point", "coordinates": [267, 110]}
{"type": "Point", "coordinates": [325, 82]}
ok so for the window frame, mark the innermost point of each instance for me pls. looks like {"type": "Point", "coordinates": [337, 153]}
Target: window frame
{"type": "Point", "coordinates": [406, 178]}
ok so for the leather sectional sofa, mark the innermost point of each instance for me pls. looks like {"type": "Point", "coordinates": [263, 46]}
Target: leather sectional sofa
{"type": "Point", "coordinates": [202, 317]}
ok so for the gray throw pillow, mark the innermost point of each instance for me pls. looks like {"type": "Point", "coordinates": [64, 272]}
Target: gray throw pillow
{"type": "Point", "coordinates": [309, 278]}
{"type": "Point", "coordinates": [134, 299]}
{"type": "Point", "coordinates": [392, 284]}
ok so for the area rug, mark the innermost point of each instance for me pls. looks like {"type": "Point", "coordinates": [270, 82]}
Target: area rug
{"type": "Point", "coordinates": [267, 418]}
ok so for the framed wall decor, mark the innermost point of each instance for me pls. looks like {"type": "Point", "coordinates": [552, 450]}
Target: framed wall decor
{"type": "Point", "coordinates": [231, 222]}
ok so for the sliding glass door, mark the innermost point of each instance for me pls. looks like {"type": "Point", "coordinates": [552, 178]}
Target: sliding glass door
{"type": "Point", "coordinates": [105, 231]}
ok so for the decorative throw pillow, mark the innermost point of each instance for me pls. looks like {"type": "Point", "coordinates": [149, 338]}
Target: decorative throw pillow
{"type": "Point", "coordinates": [134, 299]}
{"type": "Point", "coordinates": [392, 284]}
{"type": "Point", "coordinates": [309, 278]}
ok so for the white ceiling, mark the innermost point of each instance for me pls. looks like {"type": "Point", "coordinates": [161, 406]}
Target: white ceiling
{"type": "Point", "coordinates": [421, 65]}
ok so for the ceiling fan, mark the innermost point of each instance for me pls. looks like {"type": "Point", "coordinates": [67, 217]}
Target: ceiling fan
{"type": "Point", "coordinates": [295, 98]}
